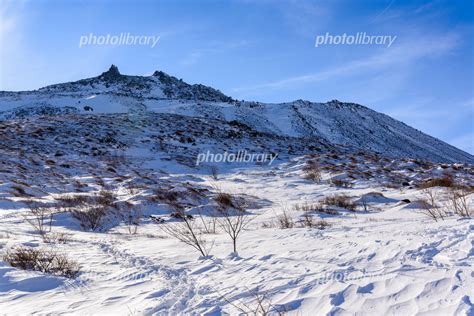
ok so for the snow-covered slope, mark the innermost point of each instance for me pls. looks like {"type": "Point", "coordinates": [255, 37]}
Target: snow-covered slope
{"type": "Point", "coordinates": [338, 123]}
{"type": "Point", "coordinates": [375, 253]}
{"type": "Point", "coordinates": [334, 122]}
{"type": "Point", "coordinates": [385, 257]}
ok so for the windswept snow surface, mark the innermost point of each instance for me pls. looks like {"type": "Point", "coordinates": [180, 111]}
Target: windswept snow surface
{"type": "Point", "coordinates": [386, 259]}
{"type": "Point", "coordinates": [391, 260]}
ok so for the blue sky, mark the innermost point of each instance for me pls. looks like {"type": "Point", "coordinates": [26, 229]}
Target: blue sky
{"type": "Point", "coordinates": [264, 51]}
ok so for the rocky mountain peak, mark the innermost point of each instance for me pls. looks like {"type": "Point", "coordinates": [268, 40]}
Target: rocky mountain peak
{"type": "Point", "coordinates": [111, 74]}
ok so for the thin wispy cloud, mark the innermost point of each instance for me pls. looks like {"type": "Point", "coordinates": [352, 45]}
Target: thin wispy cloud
{"type": "Point", "coordinates": [416, 110]}
{"type": "Point", "coordinates": [406, 53]}
{"type": "Point", "coordinates": [382, 14]}
{"type": "Point", "coordinates": [11, 37]}
{"type": "Point", "coordinates": [10, 18]}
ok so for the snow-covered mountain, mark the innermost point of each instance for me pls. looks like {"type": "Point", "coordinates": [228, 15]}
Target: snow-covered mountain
{"type": "Point", "coordinates": [332, 122]}
{"type": "Point", "coordinates": [99, 179]}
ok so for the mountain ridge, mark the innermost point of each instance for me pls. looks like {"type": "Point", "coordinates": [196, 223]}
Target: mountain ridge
{"type": "Point", "coordinates": [341, 123]}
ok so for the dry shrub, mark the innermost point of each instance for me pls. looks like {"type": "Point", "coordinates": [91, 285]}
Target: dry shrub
{"type": "Point", "coordinates": [70, 201]}
{"type": "Point", "coordinates": [316, 207]}
{"type": "Point", "coordinates": [365, 198]}
{"type": "Point", "coordinates": [46, 261]}
{"type": "Point", "coordinates": [90, 217]}
{"type": "Point", "coordinates": [186, 230]}
{"type": "Point", "coordinates": [23, 183]}
{"type": "Point", "coordinates": [166, 196]}
{"type": "Point", "coordinates": [309, 207]}
{"type": "Point", "coordinates": [233, 219]}
{"type": "Point", "coordinates": [133, 222]}
{"type": "Point", "coordinates": [429, 205]}
{"type": "Point", "coordinates": [341, 183]}
{"type": "Point", "coordinates": [459, 202]}
{"type": "Point", "coordinates": [312, 171]}
{"type": "Point", "coordinates": [181, 215]}
{"type": "Point", "coordinates": [232, 215]}
{"type": "Point", "coordinates": [106, 198]}
{"type": "Point", "coordinates": [261, 305]}
{"type": "Point", "coordinates": [285, 221]}
{"type": "Point", "coordinates": [268, 224]}
{"type": "Point", "coordinates": [40, 217]}
{"type": "Point", "coordinates": [56, 238]}
{"type": "Point", "coordinates": [188, 233]}
{"type": "Point", "coordinates": [392, 185]}
{"type": "Point", "coordinates": [446, 181]}
{"type": "Point", "coordinates": [209, 223]}
{"type": "Point", "coordinates": [131, 215]}
{"type": "Point", "coordinates": [340, 200]}
{"type": "Point", "coordinates": [307, 221]}
{"type": "Point", "coordinates": [224, 200]}
{"type": "Point", "coordinates": [92, 211]}
{"type": "Point", "coordinates": [19, 191]}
